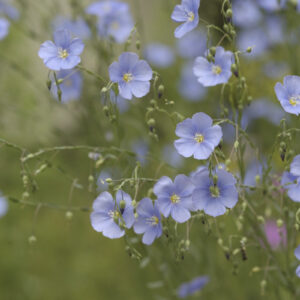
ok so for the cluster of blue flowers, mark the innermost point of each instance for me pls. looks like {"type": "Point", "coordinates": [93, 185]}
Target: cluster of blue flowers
{"type": "Point", "coordinates": [211, 189]}
{"type": "Point", "coordinates": [211, 192]}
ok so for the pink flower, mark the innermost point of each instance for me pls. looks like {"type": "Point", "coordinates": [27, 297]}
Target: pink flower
{"type": "Point", "coordinates": [276, 237]}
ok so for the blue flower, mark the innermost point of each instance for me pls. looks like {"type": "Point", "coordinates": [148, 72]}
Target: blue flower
{"type": "Point", "coordinates": [272, 5]}
{"type": "Point", "coordinates": [78, 27]}
{"type": "Point", "coordinates": [253, 38]}
{"type": "Point", "coordinates": [262, 108]}
{"type": "Point", "coordinates": [213, 195]}
{"type": "Point", "coordinates": [288, 94]}
{"type": "Point", "coordinates": [291, 180]}
{"type": "Point", "coordinates": [119, 101]}
{"type": "Point", "coordinates": [186, 13]}
{"type": "Point", "coordinates": [189, 288]}
{"type": "Point", "coordinates": [114, 21]}
{"type": "Point", "coordinates": [132, 75]}
{"type": "Point", "coordinates": [171, 156]}
{"type": "Point", "coordinates": [140, 148]}
{"type": "Point", "coordinates": [3, 206]}
{"type": "Point", "coordinates": [217, 72]}
{"type": "Point", "coordinates": [9, 10]}
{"type": "Point", "coordinates": [159, 55]}
{"type": "Point", "coordinates": [189, 87]}
{"type": "Point", "coordinates": [4, 28]}
{"type": "Point", "coordinates": [64, 53]}
{"type": "Point", "coordinates": [70, 87]}
{"type": "Point", "coordinates": [198, 137]}
{"type": "Point", "coordinates": [175, 198]}
{"type": "Point", "coordinates": [148, 221]}
{"type": "Point", "coordinates": [108, 214]}
{"type": "Point", "coordinates": [297, 254]}
{"type": "Point", "coordinates": [246, 13]}
{"type": "Point", "coordinates": [101, 183]}
{"type": "Point", "coordinates": [193, 44]}
{"type": "Point", "coordinates": [298, 5]}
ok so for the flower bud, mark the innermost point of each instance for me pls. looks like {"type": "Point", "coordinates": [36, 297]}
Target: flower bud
{"type": "Point", "coordinates": [108, 180]}
{"type": "Point", "coordinates": [104, 90]}
{"type": "Point", "coordinates": [249, 50]}
{"type": "Point", "coordinates": [138, 45]}
{"type": "Point", "coordinates": [69, 215]}
{"type": "Point", "coordinates": [122, 204]}
{"type": "Point", "coordinates": [212, 50]}
{"type": "Point", "coordinates": [32, 240]}
{"type": "Point", "coordinates": [49, 84]}
{"type": "Point", "coordinates": [161, 90]}
{"type": "Point", "coordinates": [228, 13]}
{"type": "Point", "coordinates": [151, 122]}
{"type": "Point", "coordinates": [261, 219]}
{"type": "Point", "coordinates": [279, 223]}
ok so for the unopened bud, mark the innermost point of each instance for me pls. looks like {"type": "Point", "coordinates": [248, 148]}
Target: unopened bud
{"type": "Point", "coordinates": [69, 215]}
{"type": "Point", "coordinates": [32, 240]}
{"type": "Point", "coordinates": [279, 223]}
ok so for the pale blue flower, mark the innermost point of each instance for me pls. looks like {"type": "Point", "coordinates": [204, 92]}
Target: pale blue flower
{"type": "Point", "coordinates": [198, 137]}
{"type": "Point", "coordinates": [4, 28]}
{"type": "Point", "coordinates": [186, 13]}
{"type": "Point", "coordinates": [193, 44]}
{"type": "Point", "coordinates": [3, 206]}
{"type": "Point", "coordinates": [297, 254]}
{"type": "Point", "coordinates": [9, 10]}
{"type": "Point", "coordinates": [210, 73]}
{"type": "Point", "coordinates": [114, 21]}
{"type": "Point", "coordinates": [175, 198]}
{"type": "Point", "coordinates": [159, 55]}
{"type": "Point", "coordinates": [288, 94]}
{"type": "Point", "coordinates": [148, 221]}
{"type": "Point", "coordinates": [119, 101]}
{"type": "Point", "coordinates": [108, 214]}
{"type": "Point", "coordinates": [291, 180]}
{"type": "Point", "coordinates": [78, 27]}
{"type": "Point", "coordinates": [171, 156]}
{"type": "Point", "coordinates": [246, 13]}
{"type": "Point", "coordinates": [189, 87]}
{"type": "Point", "coordinates": [70, 87]}
{"type": "Point", "coordinates": [214, 195]}
{"type": "Point", "coordinates": [189, 288]}
{"type": "Point", "coordinates": [64, 53]}
{"type": "Point", "coordinates": [132, 75]}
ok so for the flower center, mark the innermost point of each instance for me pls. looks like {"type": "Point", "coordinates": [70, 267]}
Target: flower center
{"type": "Point", "coordinates": [63, 53]}
{"type": "Point", "coordinates": [153, 220]}
{"type": "Point", "coordinates": [191, 16]}
{"type": "Point", "coordinates": [115, 25]}
{"type": "Point", "coordinates": [68, 82]}
{"type": "Point", "coordinates": [199, 138]}
{"type": "Point", "coordinates": [175, 198]}
{"type": "Point", "coordinates": [127, 77]}
{"type": "Point", "coordinates": [294, 100]}
{"type": "Point", "coordinates": [114, 214]}
{"type": "Point", "coordinates": [216, 70]}
{"type": "Point", "coordinates": [214, 191]}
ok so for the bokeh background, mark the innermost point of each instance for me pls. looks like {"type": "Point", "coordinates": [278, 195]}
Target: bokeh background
{"type": "Point", "coordinates": [69, 260]}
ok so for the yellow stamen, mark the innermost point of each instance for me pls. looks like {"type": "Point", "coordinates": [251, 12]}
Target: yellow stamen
{"type": "Point", "coordinates": [127, 77]}
{"type": "Point", "coordinates": [115, 25]}
{"type": "Point", "coordinates": [199, 138]}
{"type": "Point", "coordinates": [293, 101]}
{"type": "Point", "coordinates": [153, 220]}
{"type": "Point", "coordinates": [175, 198]}
{"type": "Point", "coordinates": [216, 70]}
{"type": "Point", "coordinates": [191, 16]}
{"type": "Point", "coordinates": [63, 53]}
